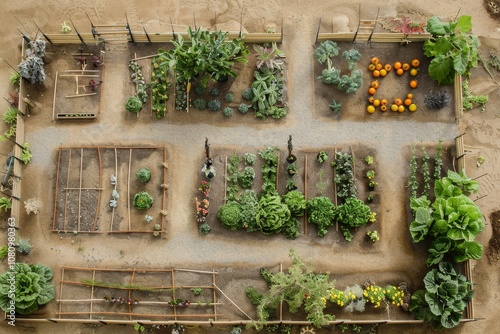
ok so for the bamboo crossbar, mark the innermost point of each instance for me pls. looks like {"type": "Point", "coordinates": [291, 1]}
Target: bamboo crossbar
{"type": "Point", "coordinates": [83, 188]}
{"type": "Point", "coordinates": [141, 302]}
{"type": "Point", "coordinates": [79, 95]}
{"type": "Point", "coordinates": [140, 315]}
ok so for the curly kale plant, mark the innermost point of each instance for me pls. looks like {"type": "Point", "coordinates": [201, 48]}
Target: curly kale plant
{"type": "Point", "coordinates": [345, 83]}
{"type": "Point", "coordinates": [296, 202]}
{"type": "Point", "coordinates": [33, 287]}
{"type": "Point", "coordinates": [229, 215]}
{"type": "Point", "coordinates": [143, 200]}
{"type": "Point", "coordinates": [143, 175]}
{"type": "Point", "coordinates": [444, 299]}
{"type": "Point", "coordinates": [272, 214]}
{"type": "Point", "coordinates": [321, 211]}
{"type": "Point", "coordinates": [344, 175]}
{"type": "Point", "coordinates": [326, 50]}
{"type": "Point", "coordinates": [134, 104]}
{"type": "Point", "coordinates": [246, 178]}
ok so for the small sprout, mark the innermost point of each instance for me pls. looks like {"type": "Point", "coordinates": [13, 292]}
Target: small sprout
{"type": "Point", "coordinates": [479, 160]}
{"type": "Point", "coordinates": [369, 159]}
{"type": "Point", "coordinates": [335, 106]}
{"type": "Point", "coordinates": [370, 175]}
{"type": "Point", "coordinates": [148, 218]}
{"type": "Point", "coordinates": [322, 157]}
{"type": "Point", "coordinates": [373, 235]}
{"type": "Point", "coordinates": [65, 28]}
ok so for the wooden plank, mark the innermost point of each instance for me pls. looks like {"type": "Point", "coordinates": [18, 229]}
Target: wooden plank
{"type": "Point", "coordinates": [54, 101]}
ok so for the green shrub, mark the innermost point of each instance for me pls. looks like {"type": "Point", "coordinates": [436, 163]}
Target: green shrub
{"type": "Point", "coordinates": [321, 211]}
{"type": "Point", "coordinates": [32, 285]}
{"type": "Point", "coordinates": [243, 108]}
{"type": "Point", "coordinates": [229, 97]}
{"type": "Point", "coordinates": [228, 111]}
{"type": "Point", "coordinates": [200, 103]}
{"type": "Point", "coordinates": [134, 104]}
{"type": "Point", "coordinates": [229, 215]}
{"type": "Point", "coordinates": [143, 200]}
{"type": "Point", "coordinates": [214, 105]}
{"type": "Point", "coordinates": [143, 175]}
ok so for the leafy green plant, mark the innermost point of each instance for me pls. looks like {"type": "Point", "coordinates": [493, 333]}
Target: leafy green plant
{"type": "Point", "coordinates": [326, 50]}
{"type": "Point", "coordinates": [161, 80]}
{"type": "Point", "coordinates": [4, 250]}
{"type": "Point", "coordinates": [246, 178]}
{"type": "Point", "coordinates": [298, 286]}
{"type": "Point", "coordinates": [369, 160]}
{"type": "Point", "coordinates": [352, 57]}
{"type": "Point", "coordinates": [269, 169]}
{"type": "Point", "coordinates": [321, 212]}
{"type": "Point", "coordinates": [228, 111]}
{"type": "Point", "coordinates": [229, 215]}
{"type": "Point", "coordinates": [200, 90]}
{"type": "Point", "coordinates": [290, 184]}
{"type": "Point", "coordinates": [268, 58]}
{"type": "Point", "coordinates": [249, 206]}
{"type": "Point", "coordinates": [33, 287]}
{"type": "Point", "coordinates": [412, 182]}
{"type": "Point", "coordinates": [335, 106]}
{"type": "Point", "coordinates": [444, 299]}
{"type": "Point", "coordinates": [344, 175]}
{"type": "Point", "coordinates": [134, 104]}
{"type": "Point", "coordinates": [426, 172]}
{"type": "Point", "coordinates": [138, 79]}
{"type": "Point", "coordinates": [243, 108]}
{"type": "Point", "coordinates": [469, 100]}
{"type": "Point", "coordinates": [5, 203]}
{"type": "Point", "coordinates": [15, 78]}
{"type": "Point", "coordinates": [214, 91]}
{"type": "Point", "coordinates": [373, 235]}
{"type": "Point", "coordinates": [24, 246]}
{"type": "Point", "coordinates": [143, 175]}
{"type": "Point", "coordinates": [197, 291]}
{"type": "Point", "coordinates": [143, 200]}
{"type": "Point", "coordinates": [296, 202]}
{"type": "Point", "coordinates": [268, 90]}
{"type": "Point", "coordinates": [451, 48]}
{"type": "Point", "coordinates": [355, 299]}
{"type": "Point", "coordinates": [26, 153]}
{"type": "Point", "coordinates": [200, 103]}
{"type": "Point", "coordinates": [353, 212]}
{"type": "Point", "coordinates": [370, 174]}
{"type": "Point", "coordinates": [250, 159]}
{"type": "Point", "coordinates": [204, 228]}
{"type": "Point", "coordinates": [214, 105]}
{"type": "Point", "coordinates": [346, 233]}
{"type": "Point", "coordinates": [322, 157]}
{"type": "Point", "coordinates": [438, 160]}
{"type": "Point", "coordinates": [272, 214]}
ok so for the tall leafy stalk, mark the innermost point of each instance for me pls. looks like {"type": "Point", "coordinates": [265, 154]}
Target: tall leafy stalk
{"type": "Point", "coordinates": [438, 162]}
{"type": "Point", "coordinates": [426, 173]}
{"type": "Point", "coordinates": [412, 182]}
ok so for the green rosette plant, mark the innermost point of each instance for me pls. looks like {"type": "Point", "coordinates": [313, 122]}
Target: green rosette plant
{"type": "Point", "coordinates": [296, 202]}
{"type": "Point", "coordinates": [143, 175]}
{"type": "Point", "coordinates": [33, 287]}
{"type": "Point", "coordinates": [272, 214]}
{"type": "Point", "coordinates": [229, 215]}
{"type": "Point", "coordinates": [321, 211]}
{"type": "Point", "coordinates": [353, 213]}
{"type": "Point", "coordinates": [134, 104]}
{"type": "Point", "coordinates": [143, 200]}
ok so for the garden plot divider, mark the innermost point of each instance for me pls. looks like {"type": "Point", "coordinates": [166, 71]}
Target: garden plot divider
{"type": "Point", "coordinates": [131, 295]}
{"type": "Point", "coordinates": [84, 175]}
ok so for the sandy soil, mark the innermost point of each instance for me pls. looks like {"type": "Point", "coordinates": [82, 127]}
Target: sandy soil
{"type": "Point", "coordinates": [312, 129]}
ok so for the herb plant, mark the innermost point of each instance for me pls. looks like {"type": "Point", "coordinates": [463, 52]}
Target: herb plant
{"type": "Point", "coordinates": [469, 100]}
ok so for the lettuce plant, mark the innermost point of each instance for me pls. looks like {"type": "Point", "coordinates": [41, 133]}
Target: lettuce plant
{"type": "Point", "coordinates": [296, 202]}
{"type": "Point", "coordinates": [444, 299]}
{"type": "Point", "coordinates": [143, 200]}
{"type": "Point", "coordinates": [321, 211]}
{"type": "Point", "coordinates": [143, 175]}
{"type": "Point", "coordinates": [229, 215]}
{"type": "Point", "coordinates": [134, 104]}
{"type": "Point", "coordinates": [33, 287]}
{"type": "Point", "coordinates": [353, 212]}
{"type": "Point", "coordinates": [272, 214]}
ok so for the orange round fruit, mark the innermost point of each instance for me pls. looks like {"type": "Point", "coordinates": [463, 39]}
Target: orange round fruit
{"type": "Point", "coordinates": [405, 67]}
{"type": "Point", "coordinates": [397, 65]}
{"type": "Point", "coordinates": [375, 84]}
{"type": "Point", "coordinates": [383, 108]}
{"type": "Point", "coordinates": [414, 84]}
{"type": "Point", "coordinates": [372, 91]}
{"type": "Point", "coordinates": [394, 107]}
{"type": "Point", "coordinates": [413, 72]}
{"type": "Point", "coordinates": [400, 71]}
{"type": "Point", "coordinates": [374, 60]}
{"type": "Point", "coordinates": [415, 62]}
{"type": "Point", "coordinates": [384, 102]}
{"type": "Point", "coordinates": [376, 103]}
{"type": "Point", "coordinates": [378, 66]}
{"type": "Point", "coordinates": [407, 102]}
{"type": "Point", "coordinates": [376, 73]}
{"type": "Point", "coordinates": [412, 107]}
{"type": "Point", "coordinates": [409, 96]}
{"type": "Point", "coordinates": [383, 72]}
{"type": "Point", "coordinates": [388, 67]}
{"type": "Point", "coordinates": [401, 108]}
{"type": "Point", "coordinates": [371, 99]}
{"type": "Point", "coordinates": [371, 67]}
{"type": "Point", "coordinates": [370, 109]}
{"type": "Point", "coordinates": [398, 101]}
